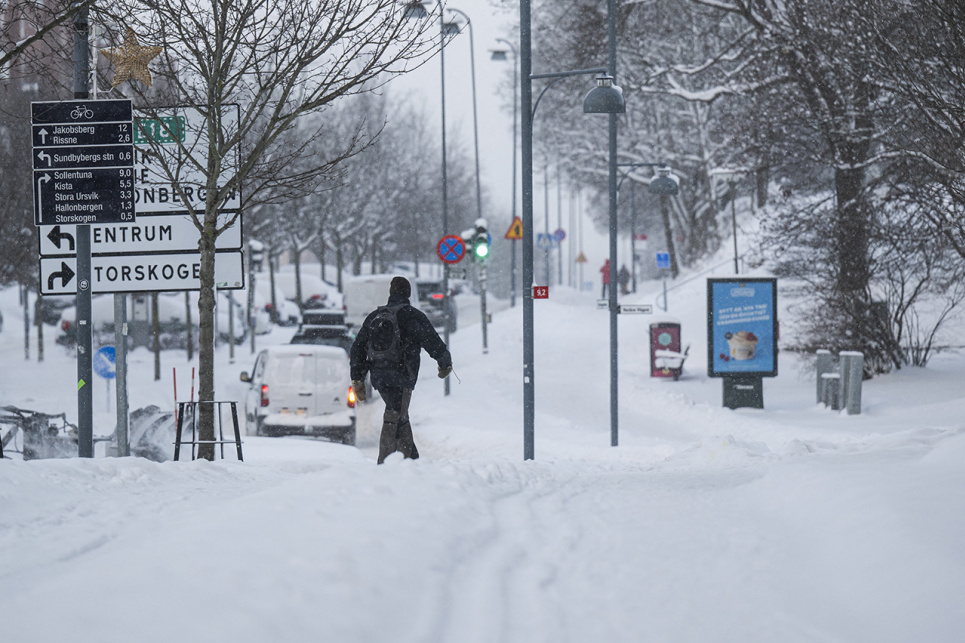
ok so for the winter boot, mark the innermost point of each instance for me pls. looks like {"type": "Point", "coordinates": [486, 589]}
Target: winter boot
{"type": "Point", "coordinates": [389, 440]}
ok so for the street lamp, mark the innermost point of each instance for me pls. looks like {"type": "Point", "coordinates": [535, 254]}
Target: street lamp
{"type": "Point", "coordinates": [529, 110]}
{"type": "Point", "coordinates": [633, 213]}
{"type": "Point", "coordinates": [479, 212]}
{"type": "Point", "coordinates": [500, 55]}
{"type": "Point", "coordinates": [416, 11]}
{"type": "Point", "coordinates": [731, 176]}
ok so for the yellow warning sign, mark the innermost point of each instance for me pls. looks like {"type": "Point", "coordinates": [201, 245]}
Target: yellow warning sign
{"type": "Point", "coordinates": [581, 259]}
{"type": "Point", "coordinates": [515, 229]}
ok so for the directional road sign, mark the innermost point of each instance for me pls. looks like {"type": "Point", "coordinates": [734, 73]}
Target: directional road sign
{"type": "Point", "coordinates": [546, 241]}
{"type": "Point", "coordinates": [139, 273]}
{"type": "Point", "coordinates": [632, 309]}
{"type": "Point", "coordinates": [176, 140]}
{"type": "Point", "coordinates": [451, 249]}
{"type": "Point", "coordinates": [663, 260]}
{"type": "Point", "coordinates": [96, 195]}
{"type": "Point", "coordinates": [150, 234]}
{"type": "Point", "coordinates": [83, 160]}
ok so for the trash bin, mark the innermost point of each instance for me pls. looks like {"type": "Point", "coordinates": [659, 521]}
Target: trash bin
{"type": "Point", "coordinates": [666, 358]}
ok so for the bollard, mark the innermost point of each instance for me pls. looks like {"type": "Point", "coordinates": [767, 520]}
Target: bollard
{"type": "Point", "coordinates": [831, 390]}
{"type": "Point", "coordinates": [852, 371]}
{"type": "Point", "coordinates": [825, 364]}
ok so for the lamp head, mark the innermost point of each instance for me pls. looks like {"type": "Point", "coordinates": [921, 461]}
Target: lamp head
{"type": "Point", "coordinates": [415, 11]}
{"type": "Point", "coordinates": [605, 98]}
{"type": "Point", "coordinates": [451, 28]}
{"type": "Point", "coordinates": [499, 55]}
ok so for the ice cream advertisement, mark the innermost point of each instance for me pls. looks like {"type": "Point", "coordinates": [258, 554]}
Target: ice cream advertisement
{"type": "Point", "coordinates": [742, 327]}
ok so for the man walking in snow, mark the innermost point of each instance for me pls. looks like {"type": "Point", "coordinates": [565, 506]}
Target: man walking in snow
{"type": "Point", "coordinates": [389, 345]}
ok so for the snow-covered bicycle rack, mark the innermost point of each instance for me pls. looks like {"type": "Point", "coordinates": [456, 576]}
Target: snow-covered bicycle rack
{"type": "Point", "coordinates": [191, 410]}
{"type": "Point", "coordinates": [839, 385]}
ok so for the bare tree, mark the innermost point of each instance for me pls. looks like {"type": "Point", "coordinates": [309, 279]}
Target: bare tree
{"type": "Point", "coordinates": [279, 61]}
{"type": "Point", "coordinates": [26, 24]}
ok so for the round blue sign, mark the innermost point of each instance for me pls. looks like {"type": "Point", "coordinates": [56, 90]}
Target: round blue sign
{"type": "Point", "coordinates": [451, 249]}
{"type": "Point", "coordinates": [103, 363]}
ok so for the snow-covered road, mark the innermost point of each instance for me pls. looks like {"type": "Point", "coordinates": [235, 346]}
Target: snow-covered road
{"type": "Point", "coordinates": [788, 524]}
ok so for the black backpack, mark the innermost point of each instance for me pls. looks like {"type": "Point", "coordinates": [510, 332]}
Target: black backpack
{"type": "Point", "coordinates": [385, 338]}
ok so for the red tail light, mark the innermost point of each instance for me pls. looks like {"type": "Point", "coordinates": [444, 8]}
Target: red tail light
{"type": "Point", "coordinates": [438, 295]}
{"type": "Point", "coordinates": [351, 397]}
{"type": "Point", "coordinates": [264, 395]}
{"type": "Point", "coordinates": [65, 325]}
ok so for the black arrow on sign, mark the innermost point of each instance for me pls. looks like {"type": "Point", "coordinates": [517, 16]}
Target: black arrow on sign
{"type": "Point", "coordinates": [55, 236]}
{"type": "Point", "coordinates": [66, 274]}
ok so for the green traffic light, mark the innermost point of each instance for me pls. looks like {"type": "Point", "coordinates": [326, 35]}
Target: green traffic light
{"type": "Point", "coordinates": [482, 250]}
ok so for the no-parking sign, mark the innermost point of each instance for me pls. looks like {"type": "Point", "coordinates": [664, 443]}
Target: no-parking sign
{"type": "Point", "coordinates": [451, 249]}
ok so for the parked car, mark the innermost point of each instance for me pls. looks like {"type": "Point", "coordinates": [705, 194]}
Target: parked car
{"type": "Point", "coordinates": [299, 389]}
{"type": "Point", "coordinates": [324, 317]}
{"type": "Point", "coordinates": [435, 304]}
{"type": "Point", "coordinates": [52, 306]}
{"type": "Point", "coordinates": [288, 312]}
{"type": "Point", "coordinates": [365, 293]}
{"type": "Point", "coordinates": [324, 336]}
{"type": "Point", "coordinates": [172, 315]}
{"type": "Point", "coordinates": [316, 293]}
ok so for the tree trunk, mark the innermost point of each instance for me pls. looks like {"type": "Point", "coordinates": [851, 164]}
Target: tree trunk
{"type": "Point", "coordinates": [297, 263]}
{"type": "Point", "coordinates": [187, 324]}
{"type": "Point", "coordinates": [156, 332]}
{"type": "Point", "coordinates": [668, 233]}
{"type": "Point", "coordinates": [274, 299]}
{"type": "Point", "coordinates": [39, 320]}
{"type": "Point", "coordinates": [763, 178]}
{"type": "Point", "coordinates": [206, 341]}
{"type": "Point", "coordinates": [321, 255]}
{"type": "Point", "coordinates": [852, 229]}
{"type": "Point", "coordinates": [25, 290]}
{"type": "Point", "coordinates": [339, 263]}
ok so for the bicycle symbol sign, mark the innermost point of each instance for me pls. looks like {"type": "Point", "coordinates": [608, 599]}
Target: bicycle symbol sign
{"type": "Point", "coordinates": [451, 249]}
{"type": "Point", "coordinates": [82, 111]}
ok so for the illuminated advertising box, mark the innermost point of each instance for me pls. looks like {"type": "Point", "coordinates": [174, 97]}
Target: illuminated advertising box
{"type": "Point", "coordinates": [742, 327]}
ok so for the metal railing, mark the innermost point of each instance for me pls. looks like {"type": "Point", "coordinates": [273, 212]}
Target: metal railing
{"type": "Point", "coordinates": [190, 409]}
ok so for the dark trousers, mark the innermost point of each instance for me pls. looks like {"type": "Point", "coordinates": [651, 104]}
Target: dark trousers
{"type": "Point", "coordinates": [396, 430]}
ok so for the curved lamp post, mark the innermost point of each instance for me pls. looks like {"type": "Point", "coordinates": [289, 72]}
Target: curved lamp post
{"type": "Point", "coordinates": [500, 55]}
{"type": "Point", "coordinates": [603, 97]}
{"type": "Point", "coordinates": [416, 11]}
{"type": "Point", "coordinates": [479, 212]}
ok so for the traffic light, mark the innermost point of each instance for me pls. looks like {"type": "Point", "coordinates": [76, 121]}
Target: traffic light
{"type": "Point", "coordinates": [256, 254]}
{"type": "Point", "coordinates": [480, 242]}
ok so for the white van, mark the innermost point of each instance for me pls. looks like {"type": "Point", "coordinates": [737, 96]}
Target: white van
{"type": "Point", "coordinates": [301, 389]}
{"type": "Point", "coordinates": [363, 294]}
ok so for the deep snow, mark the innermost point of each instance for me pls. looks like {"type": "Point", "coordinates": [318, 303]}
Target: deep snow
{"type": "Point", "coordinates": [792, 523]}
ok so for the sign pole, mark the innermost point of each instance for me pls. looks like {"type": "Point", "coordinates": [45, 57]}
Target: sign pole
{"type": "Point", "coordinates": [120, 379]}
{"type": "Point", "coordinates": [85, 371]}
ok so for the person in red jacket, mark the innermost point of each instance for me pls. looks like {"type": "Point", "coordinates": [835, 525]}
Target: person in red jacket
{"type": "Point", "coordinates": [605, 271]}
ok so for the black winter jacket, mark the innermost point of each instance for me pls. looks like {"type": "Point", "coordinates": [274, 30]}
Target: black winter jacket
{"type": "Point", "coordinates": [417, 333]}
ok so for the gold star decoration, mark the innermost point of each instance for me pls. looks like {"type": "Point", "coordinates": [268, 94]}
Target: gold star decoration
{"type": "Point", "coordinates": [131, 59]}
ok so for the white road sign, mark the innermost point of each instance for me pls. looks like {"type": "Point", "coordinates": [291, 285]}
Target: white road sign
{"type": "Point", "coordinates": [180, 144]}
{"type": "Point", "coordinates": [636, 309]}
{"type": "Point", "coordinates": [150, 234]}
{"type": "Point", "coordinates": [139, 273]}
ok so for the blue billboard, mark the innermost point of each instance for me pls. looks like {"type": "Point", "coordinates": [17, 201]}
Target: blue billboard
{"type": "Point", "coordinates": [742, 327]}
